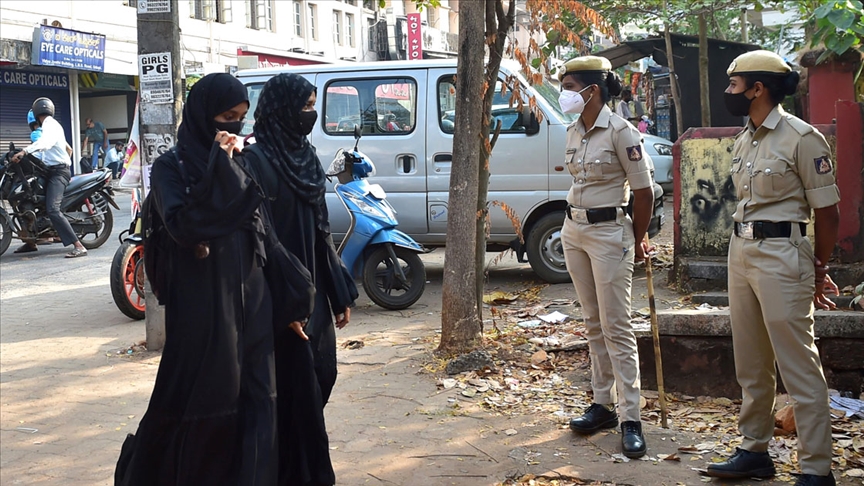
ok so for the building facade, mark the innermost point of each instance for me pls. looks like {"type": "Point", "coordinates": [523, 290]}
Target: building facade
{"type": "Point", "coordinates": [97, 77]}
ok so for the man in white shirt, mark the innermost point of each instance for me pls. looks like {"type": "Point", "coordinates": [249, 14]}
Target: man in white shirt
{"type": "Point", "coordinates": [53, 146]}
{"type": "Point", "coordinates": [114, 159]}
{"type": "Point", "coordinates": [623, 108]}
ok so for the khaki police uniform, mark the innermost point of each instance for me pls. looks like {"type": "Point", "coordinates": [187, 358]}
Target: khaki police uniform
{"type": "Point", "coordinates": [605, 161]}
{"type": "Point", "coordinates": [781, 170]}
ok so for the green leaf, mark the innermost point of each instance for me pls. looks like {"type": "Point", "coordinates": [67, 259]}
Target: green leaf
{"type": "Point", "coordinates": [831, 42]}
{"type": "Point", "coordinates": [823, 11]}
{"type": "Point", "coordinates": [823, 56]}
{"type": "Point", "coordinates": [535, 63]}
{"type": "Point", "coordinates": [842, 19]}
{"type": "Point", "coordinates": [844, 43]}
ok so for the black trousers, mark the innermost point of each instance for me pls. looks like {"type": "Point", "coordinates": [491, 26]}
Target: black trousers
{"type": "Point", "coordinates": [55, 185]}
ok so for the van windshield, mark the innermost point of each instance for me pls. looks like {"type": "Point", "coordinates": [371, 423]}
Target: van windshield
{"type": "Point", "coordinates": [550, 93]}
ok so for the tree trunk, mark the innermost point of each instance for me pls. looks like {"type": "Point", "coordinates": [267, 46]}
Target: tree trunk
{"type": "Point", "coordinates": [673, 77]}
{"type": "Point", "coordinates": [498, 24]}
{"type": "Point", "coordinates": [460, 323]}
{"type": "Point", "coordinates": [704, 93]}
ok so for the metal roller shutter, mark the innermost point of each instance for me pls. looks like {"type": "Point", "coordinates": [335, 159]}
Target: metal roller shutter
{"type": "Point", "coordinates": [14, 105]}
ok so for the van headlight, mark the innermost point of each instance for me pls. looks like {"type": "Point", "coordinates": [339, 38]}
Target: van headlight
{"type": "Point", "coordinates": [663, 149]}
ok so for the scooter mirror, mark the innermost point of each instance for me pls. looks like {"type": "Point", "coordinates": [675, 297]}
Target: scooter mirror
{"type": "Point", "coordinates": [356, 136]}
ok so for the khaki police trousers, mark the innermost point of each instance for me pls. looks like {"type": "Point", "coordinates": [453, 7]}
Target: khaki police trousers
{"type": "Point", "coordinates": [599, 258]}
{"type": "Point", "coordinates": [771, 284]}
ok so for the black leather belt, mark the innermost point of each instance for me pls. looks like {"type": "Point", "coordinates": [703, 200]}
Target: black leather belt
{"type": "Point", "coordinates": [594, 215]}
{"type": "Point", "coordinates": [757, 230]}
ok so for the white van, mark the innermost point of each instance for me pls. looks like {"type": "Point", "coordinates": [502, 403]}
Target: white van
{"type": "Point", "coordinates": [406, 110]}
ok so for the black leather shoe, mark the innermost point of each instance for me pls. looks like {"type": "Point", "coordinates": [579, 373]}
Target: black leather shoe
{"type": "Point", "coordinates": [813, 480]}
{"type": "Point", "coordinates": [632, 441]}
{"type": "Point", "coordinates": [744, 464]}
{"type": "Point", "coordinates": [597, 417]}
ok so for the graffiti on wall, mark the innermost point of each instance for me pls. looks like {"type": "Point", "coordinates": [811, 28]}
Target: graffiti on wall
{"type": "Point", "coordinates": [707, 196]}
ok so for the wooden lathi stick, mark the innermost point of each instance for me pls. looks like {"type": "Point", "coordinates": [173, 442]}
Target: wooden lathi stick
{"type": "Point", "coordinates": [655, 334]}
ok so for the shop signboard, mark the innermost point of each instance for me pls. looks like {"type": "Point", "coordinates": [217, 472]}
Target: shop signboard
{"type": "Point", "coordinates": [53, 46]}
{"type": "Point", "coordinates": [33, 79]}
{"type": "Point", "coordinates": [415, 38]}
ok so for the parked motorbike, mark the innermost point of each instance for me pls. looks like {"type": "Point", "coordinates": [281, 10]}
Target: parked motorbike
{"type": "Point", "coordinates": [24, 215]}
{"type": "Point", "coordinates": [127, 269]}
{"type": "Point", "coordinates": [393, 274]}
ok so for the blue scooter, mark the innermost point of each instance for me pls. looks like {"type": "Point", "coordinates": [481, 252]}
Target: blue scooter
{"type": "Point", "coordinates": [393, 274]}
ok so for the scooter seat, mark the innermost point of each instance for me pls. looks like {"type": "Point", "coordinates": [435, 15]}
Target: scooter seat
{"type": "Point", "coordinates": [83, 180]}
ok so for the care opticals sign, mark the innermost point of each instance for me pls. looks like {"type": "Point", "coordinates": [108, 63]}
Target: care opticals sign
{"type": "Point", "coordinates": [154, 76]}
{"type": "Point", "coordinates": [32, 79]}
{"type": "Point", "coordinates": [68, 48]}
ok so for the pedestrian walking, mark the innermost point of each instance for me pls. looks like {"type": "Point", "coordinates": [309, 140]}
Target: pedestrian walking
{"type": "Point", "coordinates": [606, 158]}
{"type": "Point", "coordinates": [97, 134]}
{"type": "Point", "coordinates": [782, 169]}
{"type": "Point", "coordinates": [55, 155]}
{"type": "Point", "coordinates": [212, 415]}
{"type": "Point", "coordinates": [293, 180]}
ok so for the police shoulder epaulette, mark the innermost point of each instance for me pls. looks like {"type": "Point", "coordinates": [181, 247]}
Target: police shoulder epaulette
{"type": "Point", "coordinates": [618, 123]}
{"type": "Point", "coordinates": [800, 126]}
{"type": "Point", "coordinates": [572, 125]}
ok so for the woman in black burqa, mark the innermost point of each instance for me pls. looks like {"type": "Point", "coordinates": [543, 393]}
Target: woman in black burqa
{"type": "Point", "coordinates": [212, 415]}
{"type": "Point", "coordinates": [293, 180]}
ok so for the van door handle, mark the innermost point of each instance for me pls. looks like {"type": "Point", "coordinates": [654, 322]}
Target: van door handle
{"type": "Point", "coordinates": [407, 164]}
{"type": "Point", "coordinates": [442, 163]}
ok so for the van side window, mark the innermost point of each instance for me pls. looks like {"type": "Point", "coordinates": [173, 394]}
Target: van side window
{"type": "Point", "coordinates": [378, 106]}
{"type": "Point", "coordinates": [511, 117]}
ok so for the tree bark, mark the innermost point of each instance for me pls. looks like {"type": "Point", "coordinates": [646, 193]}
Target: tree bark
{"type": "Point", "coordinates": [498, 24]}
{"type": "Point", "coordinates": [704, 93]}
{"type": "Point", "coordinates": [673, 77]}
{"type": "Point", "coordinates": [460, 323]}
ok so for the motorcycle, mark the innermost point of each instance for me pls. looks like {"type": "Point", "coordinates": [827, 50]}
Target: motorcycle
{"type": "Point", "coordinates": [127, 268]}
{"type": "Point", "coordinates": [393, 274]}
{"type": "Point", "coordinates": [24, 215]}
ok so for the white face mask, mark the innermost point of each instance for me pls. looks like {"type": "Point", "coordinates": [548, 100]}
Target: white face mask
{"type": "Point", "coordinates": [572, 101]}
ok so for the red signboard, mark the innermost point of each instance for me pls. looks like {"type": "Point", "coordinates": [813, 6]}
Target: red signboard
{"type": "Point", "coordinates": [415, 38]}
{"type": "Point", "coordinates": [271, 61]}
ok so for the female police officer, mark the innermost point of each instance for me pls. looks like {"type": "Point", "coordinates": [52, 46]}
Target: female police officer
{"type": "Point", "coordinates": [605, 156]}
{"type": "Point", "coordinates": [782, 169]}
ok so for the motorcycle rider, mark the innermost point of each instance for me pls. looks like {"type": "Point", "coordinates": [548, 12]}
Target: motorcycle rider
{"type": "Point", "coordinates": [55, 156]}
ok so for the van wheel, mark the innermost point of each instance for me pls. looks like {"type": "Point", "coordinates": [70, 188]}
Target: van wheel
{"type": "Point", "coordinates": [545, 251]}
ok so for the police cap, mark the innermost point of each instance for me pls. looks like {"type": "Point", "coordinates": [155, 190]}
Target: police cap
{"type": "Point", "coordinates": [765, 62]}
{"type": "Point", "coordinates": [585, 64]}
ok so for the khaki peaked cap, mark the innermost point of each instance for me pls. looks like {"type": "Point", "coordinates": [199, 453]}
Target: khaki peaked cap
{"type": "Point", "coordinates": [758, 62]}
{"type": "Point", "coordinates": [585, 64]}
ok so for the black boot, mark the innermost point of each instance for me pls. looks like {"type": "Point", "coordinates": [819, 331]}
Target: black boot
{"type": "Point", "coordinates": [632, 441]}
{"type": "Point", "coordinates": [744, 464]}
{"type": "Point", "coordinates": [813, 480]}
{"type": "Point", "coordinates": [595, 418]}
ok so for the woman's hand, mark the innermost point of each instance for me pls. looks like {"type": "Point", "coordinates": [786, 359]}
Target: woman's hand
{"type": "Point", "coordinates": [824, 286]}
{"type": "Point", "coordinates": [229, 142]}
{"type": "Point", "coordinates": [297, 327]}
{"type": "Point", "coordinates": [343, 318]}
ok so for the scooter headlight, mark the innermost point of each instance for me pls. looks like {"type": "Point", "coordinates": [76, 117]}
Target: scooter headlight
{"type": "Point", "coordinates": [365, 206]}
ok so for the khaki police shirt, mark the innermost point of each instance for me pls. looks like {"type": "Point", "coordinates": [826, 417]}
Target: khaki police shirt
{"type": "Point", "coordinates": [606, 162]}
{"type": "Point", "coordinates": [781, 170]}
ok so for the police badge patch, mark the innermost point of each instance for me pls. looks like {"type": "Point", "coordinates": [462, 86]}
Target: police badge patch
{"type": "Point", "coordinates": [634, 153]}
{"type": "Point", "coordinates": [823, 165]}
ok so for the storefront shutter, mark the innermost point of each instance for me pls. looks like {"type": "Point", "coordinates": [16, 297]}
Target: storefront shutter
{"type": "Point", "coordinates": [14, 105]}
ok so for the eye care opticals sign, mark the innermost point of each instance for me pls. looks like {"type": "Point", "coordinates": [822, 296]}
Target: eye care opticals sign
{"type": "Point", "coordinates": [70, 49]}
{"type": "Point", "coordinates": [154, 75]}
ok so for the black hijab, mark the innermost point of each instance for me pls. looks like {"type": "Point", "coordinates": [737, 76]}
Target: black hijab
{"type": "Point", "coordinates": [210, 96]}
{"type": "Point", "coordinates": [278, 135]}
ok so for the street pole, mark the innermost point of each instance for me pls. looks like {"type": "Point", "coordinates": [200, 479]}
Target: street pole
{"type": "Point", "coordinates": [160, 101]}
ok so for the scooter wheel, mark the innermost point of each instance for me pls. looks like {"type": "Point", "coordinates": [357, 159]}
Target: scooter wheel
{"type": "Point", "coordinates": [127, 279]}
{"type": "Point", "coordinates": [382, 283]}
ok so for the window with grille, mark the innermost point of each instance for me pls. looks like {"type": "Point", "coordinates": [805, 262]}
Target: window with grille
{"type": "Point", "coordinates": [218, 10]}
{"type": "Point", "coordinates": [313, 26]}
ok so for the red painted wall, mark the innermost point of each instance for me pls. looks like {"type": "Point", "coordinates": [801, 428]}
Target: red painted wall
{"type": "Point", "coordinates": [850, 179]}
{"type": "Point", "coordinates": [828, 82]}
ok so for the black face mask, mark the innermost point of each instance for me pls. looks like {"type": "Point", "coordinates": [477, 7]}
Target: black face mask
{"type": "Point", "coordinates": [738, 104]}
{"type": "Point", "coordinates": [306, 121]}
{"type": "Point", "coordinates": [234, 127]}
